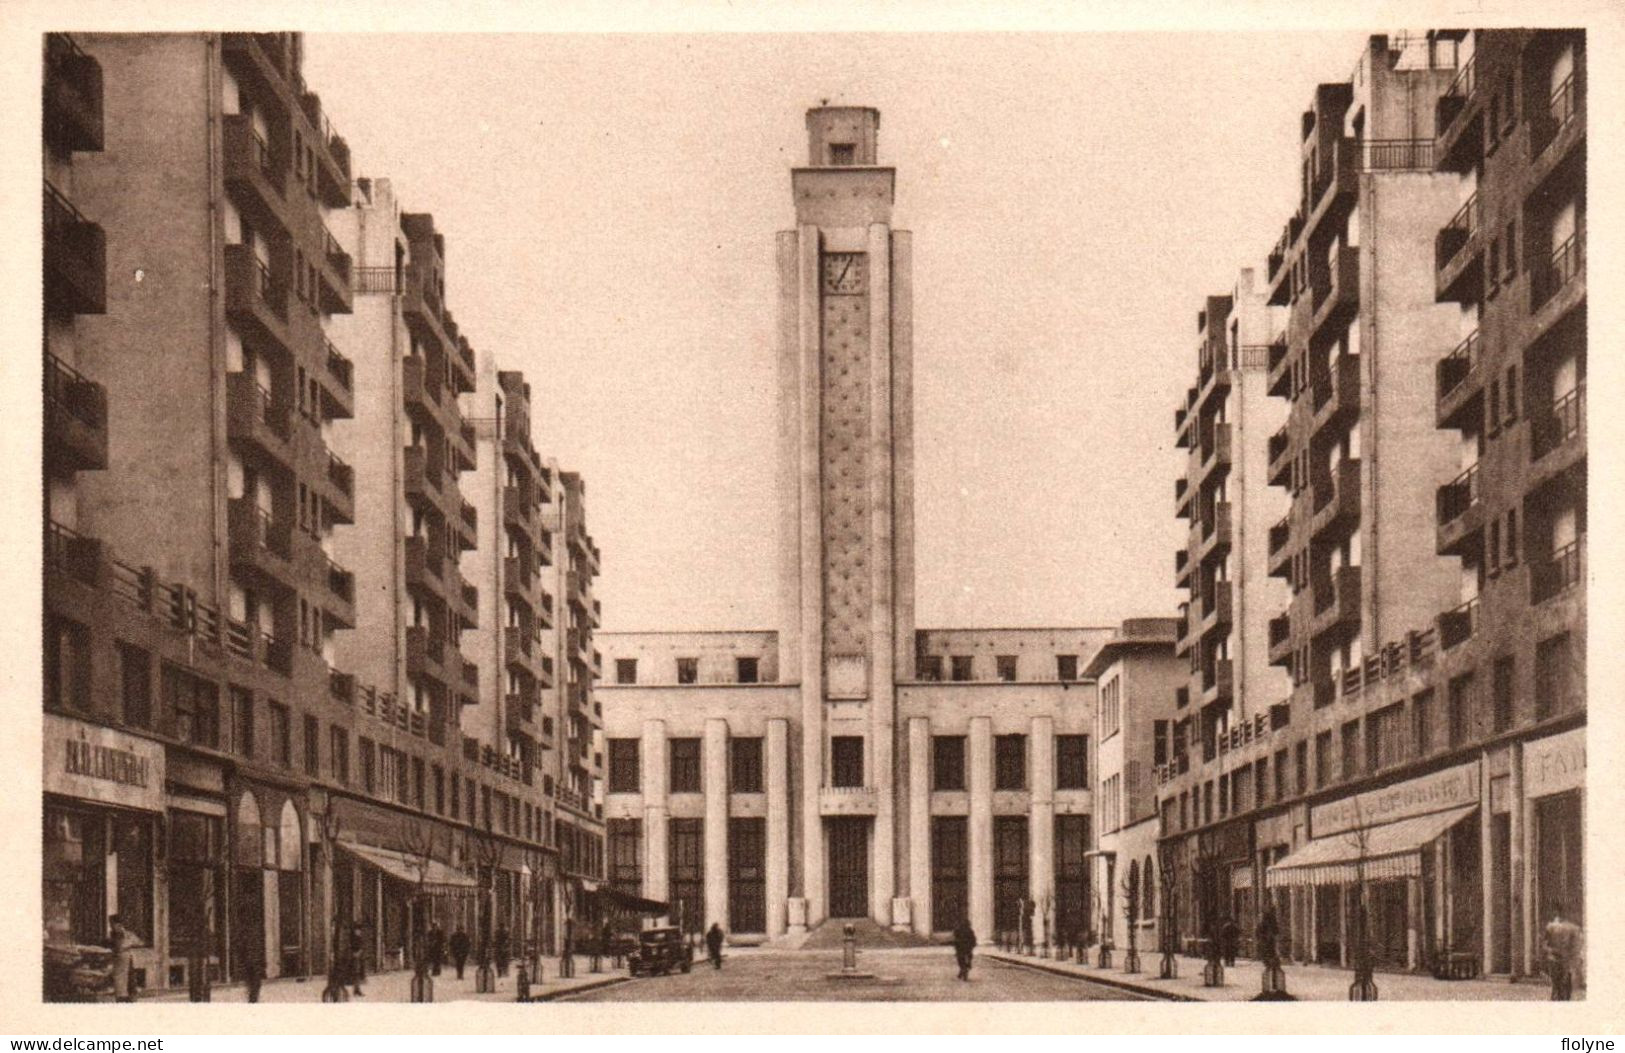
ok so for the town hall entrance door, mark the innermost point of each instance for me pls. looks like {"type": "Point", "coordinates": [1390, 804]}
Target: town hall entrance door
{"type": "Point", "coordinates": [849, 868]}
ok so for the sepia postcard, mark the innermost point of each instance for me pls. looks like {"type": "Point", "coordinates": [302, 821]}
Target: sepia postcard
{"type": "Point", "coordinates": [869, 520]}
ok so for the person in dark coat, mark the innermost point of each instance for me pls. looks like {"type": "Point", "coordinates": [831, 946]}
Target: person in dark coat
{"type": "Point", "coordinates": [459, 950]}
{"type": "Point", "coordinates": [964, 945]}
{"type": "Point", "coordinates": [713, 944]}
{"type": "Point", "coordinates": [1229, 938]}
{"type": "Point", "coordinates": [436, 940]}
{"type": "Point", "coordinates": [499, 950]}
{"type": "Point", "coordinates": [253, 965]}
{"type": "Point", "coordinates": [358, 958]}
{"type": "Point", "coordinates": [1269, 935]}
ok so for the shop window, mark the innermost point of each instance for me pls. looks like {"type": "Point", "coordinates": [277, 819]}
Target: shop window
{"type": "Point", "coordinates": [846, 760]}
{"type": "Point", "coordinates": [135, 685]}
{"type": "Point", "coordinates": [625, 775]}
{"type": "Point", "coordinates": [1010, 762]}
{"type": "Point", "coordinates": [1072, 762]}
{"type": "Point", "coordinates": [745, 765]}
{"type": "Point", "coordinates": [948, 762]}
{"type": "Point", "coordinates": [685, 765]}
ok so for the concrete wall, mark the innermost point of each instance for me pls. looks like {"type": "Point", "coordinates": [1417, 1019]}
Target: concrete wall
{"type": "Point", "coordinates": [657, 652]}
{"type": "Point", "coordinates": [1035, 650]}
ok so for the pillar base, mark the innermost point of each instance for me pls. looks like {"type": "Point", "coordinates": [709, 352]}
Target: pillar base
{"type": "Point", "coordinates": [902, 915]}
{"type": "Point", "coordinates": [796, 909]}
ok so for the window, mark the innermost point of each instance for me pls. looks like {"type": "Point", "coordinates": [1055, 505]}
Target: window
{"type": "Point", "coordinates": [1494, 548]}
{"type": "Point", "coordinates": [624, 766]}
{"type": "Point", "coordinates": [626, 670]}
{"type": "Point", "coordinates": [1006, 667]}
{"type": "Point", "coordinates": [1502, 689]}
{"type": "Point", "coordinates": [1159, 742]}
{"type": "Point", "coordinates": [846, 760]}
{"type": "Point", "coordinates": [457, 795]}
{"type": "Point", "coordinates": [746, 670]}
{"type": "Point", "coordinates": [928, 667]}
{"type": "Point", "coordinates": [685, 765]}
{"type": "Point", "coordinates": [625, 862]}
{"type": "Point", "coordinates": [313, 747]}
{"type": "Point", "coordinates": [1111, 711]}
{"type": "Point", "coordinates": [1066, 667]}
{"type": "Point", "coordinates": [685, 874]}
{"type": "Point", "coordinates": [842, 153]}
{"type": "Point", "coordinates": [1422, 723]}
{"type": "Point", "coordinates": [745, 765]}
{"type": "Point", "coordinates": [1511, 397]}
{"type": "Point", "coordinates": [67, 664]}
{"type": "Point", "coordinates": [1261, 781]}
{"type": "Point", "coordinates": [420, 795]}
{"type": "Point", "coordinates": [747, 874]}
{"type": "Point", "coordinates": [1554, 677]}
{"type": "Point", "coordinates": [961, 666]}
{"type": "Point", "coordinates": [688, 670]}
{"type": "Point", "coordinates": [440, 790]}
{"type": "Point", "coordinates": [281, 733]}
{"type": "Point", "coordinates": [1281, 789]}
{"type": "Point", "coordinates": [1351, 749]}
{"type": "Point", "coordinates": [1072, 762]}
{"type": "Point", "coordinates": [1301, 757]}
{"type": "Point", "coordinates": [194, 704]}
{"type": "Point", "coordinates": [135, 685]}
{"type": "Point", "coordinates": [1460, 710]}
{"type": "Point", "coordinates": [1323, 759]}
{"type": "Point", "coordinates": [338, 754]}
{"type": "Point", "coordinates": [948, 762]}
{"type": "Point", "coordinates": [242, 720]}
{"type": "Point", "coordinates": [1224, 796]}
{"type": "Point", "coordinates": [1509, 538]}
{"type": "Point", "coordinates": [1010, 762]}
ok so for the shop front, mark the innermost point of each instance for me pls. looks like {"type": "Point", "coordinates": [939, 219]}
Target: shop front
{"type": "Point", "coordinates": [1554, 816]}
{"type": "Point", "coordinates": [103, 803]}
{"type": "Point", "coordinates": [1393, 873]}
{"type": "Point", "coordinates": [409, 892]}
{"type": "Point", "coordinates": [268, 884]}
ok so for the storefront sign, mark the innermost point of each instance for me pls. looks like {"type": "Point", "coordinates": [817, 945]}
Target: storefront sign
{"type": "Point", "coordinates": [99, 764]}
{"type": "Point", "coordinates": [1450, 788]}
{"type": "Point", "coordinates": [1552, 765]}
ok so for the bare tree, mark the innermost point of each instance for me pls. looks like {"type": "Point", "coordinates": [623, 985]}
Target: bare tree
{"type": "Point", "coordinates": [1364, 987]}
{"type": "Point", "coordinates": [1131, 918]}
{"type": "Point", "coordinates": [337, 990]}
{"type": "Point", "coordinates": [417, 842]}
{"type": "Point", "coordinates": [1168, 934]}
{"type": "Point", "coordinates": [1205, 871]}
{"type": "Point", "coordinates": [486, 852]}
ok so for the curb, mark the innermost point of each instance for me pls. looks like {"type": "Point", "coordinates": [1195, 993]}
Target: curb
{"type": "Point", "coordinates": [595, 985]}
{"type": "Point", "coordinates": [1160, 993]}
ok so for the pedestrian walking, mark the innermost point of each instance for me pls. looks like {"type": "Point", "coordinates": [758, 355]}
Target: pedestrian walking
{"type": "Point", "coordinates": [122, 941]}
{"type": "Point", "coordinates": [713, 944]}
{"type": "Point", "coordinates": [338, 968]}
{"type": "Point", "coordinates": [499, 949]}
{"type": "Point", "coordinates": [1229, 938]}
{"type": "Point", "coordinates": [1269, 936]}
{"type": "Point", "coordinates": [459, 950]}
{"type": "Point", "coordinates": [1563, 938]}
{"type": "Point", "coordinates": [358, 958]}
{"type": "Point", "coordinates": [252, 961]}
{"type": "Point", "coordinates": [606, 944]}
{"type": "Point", "coordinates": [436, 940]}
{"type": "Point", "coordinates": [964, 945]}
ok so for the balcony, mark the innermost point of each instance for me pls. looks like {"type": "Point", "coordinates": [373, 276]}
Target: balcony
{"type": "Point", "coordinates": [421, 477]}
{"type": "Point", "coordinates": [468, 604]}
{"type": "Point", "coordinates": [1337, 499]}
{"type": "Point", "coordinates": [1182, 568]}
{"type": "Point", "coordinates": [1561, 115]}
{"type": "Point", "coordinates": [426, 654]}
{"type": "Point", "coordinates": [337, 296]}
{"type": "Point", "coordinates": [1216, 451]}
{"type": "Point", "coordinates": [1215, 530]}
{"type": "Point", "coordinates": [420, 304]}
{"type": "Point", "coordinates": [1451, 376]}
{"type": "Point", "coordinates": [848, 800]}
{"type": "Point", "coordinates": [1339, 298]}
{"type": "Point", "coordinates": [257, 180]}
{"type": "Point", "coordinates": [517, 577]}
{"type": "Point", "coordinates": [1279, 451]}
{"type": "Point", "coordinates": [1456, 115]}
{"type": "Point", "coordinates": [1218, 683]}
{"type": "Point", "coordinates": [1182, 420]}
{"type": "Point", "coordinates": [75, 419]}
{"type": "Point", "coordinates": [1460, 513]}
{"type": "Point", "coordinates": [1217, 604]}
{"type": "Point", "coordinates": [342, 478]}
{"type": "Point", "coordinates": [1556, 283]}
{"type": "Point", "coordinates": [1457, 626]}
{"type": "Point", "coordinates": [465, 526]}
{"type": "Point", "coordinates": [341, 593]}
{"type": "Point", "coordinates": [260, 547]}
{"type": "Point", "coordinates": [75, 259]}
{"type": "Point", "coordinates": [1280, 638]}
{"type": "Point", "coordinates": [254, 417]}
{"type": "Point", "coordinates": [544, 608]}
{"type": "Point", "coordinates": [1278, 381]}
{"type": "Point", "coordinates": [518, 511]}
{"type": "Point", "coordinates": [1336, 393]}
{"type": "Point", "coordinates": [333, 160]}
{"type": "Point", "coordinates": [73, 96]}
{"type": "Point", "coordinates": [1337, 603]}
{"type": "Point", "coordinates": [1279, 556]}
{"type": "Point", "coordinates": [255, 297]}
{"type": "Point", "coordinates": [425, 566]}
{"type": "Point", "coordinates": [1182, 498]}
{"type": "Point", "coordinates": [341, 687]}
{"type": "Point", "coordinates": [1336, 185]}
{"type": "Point", "coordinates": [1560, 425]}
{"type": "Point", "coordinates": [1458, 256]}
{"type": "Point", "coordinates": [520, 712]}
{"type": "Point", "coordinates": [1556, 573]}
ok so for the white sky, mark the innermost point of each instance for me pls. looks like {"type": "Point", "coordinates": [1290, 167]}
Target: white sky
{"type": "Point", "coordinates": [610, 202]}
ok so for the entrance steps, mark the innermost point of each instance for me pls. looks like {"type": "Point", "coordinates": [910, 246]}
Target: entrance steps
{"type": "Point", "coordinates": [830, 935]}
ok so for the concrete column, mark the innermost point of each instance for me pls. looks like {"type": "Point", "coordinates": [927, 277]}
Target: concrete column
{"type": "Point", "coordinates": [656, 829]}
{"type": "Point", "coordinates": [1522, 877]}
{"type": "Point", "coordinates": [778, 824]}
{"type": "Point", "coordinates": [715, 759]}
{"type": "Point", "coordinates": [919, 823]}
{"type": "Point", "coordinates": [789, 477]}
{"type": "Point", "coordinates": [981, 827]}
{"type": "Point", "coordinates": [901, 273]}
{"type": "Point", "coordinates": [1343, 924]}
{"type": "Point", "coordinates": [1041, 819]}
{"type": "Point", "coordinates": [1486, 867]}
{"type": "Point", "coordinates": [882, 680]}
{"type": "Point", "coordinates": [1413, 922]}
{"type": "Point", "coordinates": [813, 878]}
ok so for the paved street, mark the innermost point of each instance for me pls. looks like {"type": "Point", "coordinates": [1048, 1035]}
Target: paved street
{"type": "Point", "coordinates": [915, 975]}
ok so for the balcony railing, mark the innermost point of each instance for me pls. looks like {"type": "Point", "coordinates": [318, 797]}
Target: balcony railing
{"type": "Point", "coordinates": [340, 367]}
{"type": "Point", "coordinates": [1455, 367]}
{"type": "Point", "coordinates": [1559, 424]}
{"type": "Point", "coordinates": [373, 279]}
{"type": "Point", "coordinates": [1559, 112]}
{"type": "Point", "coordinates": [1458, 495]}
{"type": "Point", "coordinates": [1396, 155]}
{"type": "Point", "coordinates": [75, 257]}
{"type": "Point", "coordinates": [73, 95]}
{"type": "Point", "coordinates": [1454, 235]}
{"type": "Point", "coordinates": [1552, 274]}
{"type": "Point", "coordinates": [1557, 573]}
{"type": "Point", "coordinates": [75, 394]}
{"type": "Point", "coordinates": [1456, 626]}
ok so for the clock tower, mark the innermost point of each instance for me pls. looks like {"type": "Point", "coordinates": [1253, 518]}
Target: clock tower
{"type": "Point", "coordinates": [846, 500]}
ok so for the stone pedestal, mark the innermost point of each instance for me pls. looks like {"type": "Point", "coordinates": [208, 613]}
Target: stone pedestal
{"type": "Point", "coordinates": [796, 910]}
{"type": "Point", "coordinates": [902, 915]}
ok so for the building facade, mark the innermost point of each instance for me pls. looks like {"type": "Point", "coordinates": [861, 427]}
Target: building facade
{"type": "Point", "coordinates": [1436, 619]}
{"type": "Point", "coordinates": [848, 764]}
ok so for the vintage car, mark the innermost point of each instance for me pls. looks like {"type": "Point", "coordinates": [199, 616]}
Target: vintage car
{"type": "Point", "coordinates": [659, 951]}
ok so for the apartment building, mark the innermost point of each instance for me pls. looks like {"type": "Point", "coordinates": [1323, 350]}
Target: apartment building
{"type": "Point", "coordinates": [845, 763]}
{"type": "Point", "coordinates": [1423, 785]}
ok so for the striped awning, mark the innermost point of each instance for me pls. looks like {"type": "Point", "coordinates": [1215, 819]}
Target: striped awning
{"type": "Point", "coordinates": [437, 879]}
{"type": "Point", "coordinates": [1392, 850]}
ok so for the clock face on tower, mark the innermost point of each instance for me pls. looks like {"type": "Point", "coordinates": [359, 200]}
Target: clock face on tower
{"type": "Point", "coordinates": [845, 272]}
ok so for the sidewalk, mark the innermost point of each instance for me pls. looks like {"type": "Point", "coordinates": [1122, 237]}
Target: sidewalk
{"type": "Point", "coordinates": [1309, 983]}
{"type": "Point", "coordinates": [396, 986]}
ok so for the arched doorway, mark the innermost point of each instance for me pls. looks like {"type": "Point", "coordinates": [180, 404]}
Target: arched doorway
{"type": "Point", "coordinates": [248, 888]}
{"type": "Point", "coordinates": [290, 879]}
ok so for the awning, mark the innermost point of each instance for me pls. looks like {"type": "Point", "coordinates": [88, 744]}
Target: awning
{"type": "Point", "coordinates": [633, 904]}
{"type": "Point", "coordinates": [438, 879]}
{"type": "Point", "coordinates": [1392, 850]}
{"type": "Point", "coordinates": [1241, 878]}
